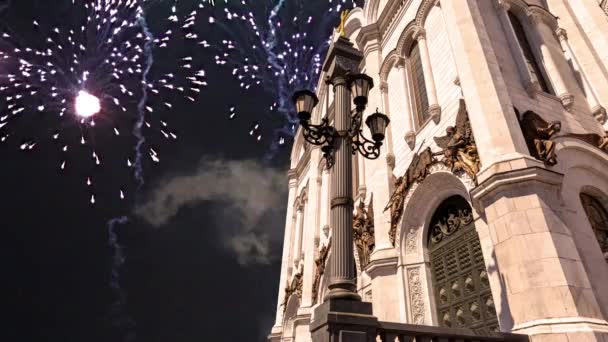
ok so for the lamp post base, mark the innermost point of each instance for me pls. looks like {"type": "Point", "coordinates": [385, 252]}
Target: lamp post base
{"type": "Point", "coordinates": [340, 320]}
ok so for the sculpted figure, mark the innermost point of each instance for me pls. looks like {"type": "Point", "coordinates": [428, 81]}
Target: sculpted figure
{"type": "Point", "coordinates": [363, 226]}
{"type": "Point", "coordinates": [538, 134]}
{"type": "Point", "coordinates": [458, 146]}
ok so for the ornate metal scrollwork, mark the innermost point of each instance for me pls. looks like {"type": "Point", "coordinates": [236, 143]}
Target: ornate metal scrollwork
{"type": "Point", "coordinates": [448, 225]}
{"type": "Point", "coordinates": [368, 148]}
{"type": "Point", "coordinates": [321, 134]}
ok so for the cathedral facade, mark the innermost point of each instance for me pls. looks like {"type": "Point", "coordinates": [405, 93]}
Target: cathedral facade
{"type": "Point", "coordinates": [488, 207]}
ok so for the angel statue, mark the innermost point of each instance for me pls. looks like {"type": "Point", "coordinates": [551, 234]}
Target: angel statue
{"type": "Point", "coordinates": [458, 146]}
{"type": "Point", "coordinates": [538, 134]}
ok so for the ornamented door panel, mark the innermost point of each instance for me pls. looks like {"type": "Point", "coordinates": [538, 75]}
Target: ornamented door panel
{"type": "Point", "coordinates": [460, 281]}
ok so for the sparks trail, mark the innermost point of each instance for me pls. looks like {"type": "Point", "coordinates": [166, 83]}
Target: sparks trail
{"type": "Point", "coordinates": [120, 318]}
{"type": "Point", "coordinates": [88, 86]}
{"type": "Point", "coordinates": [275, 46]}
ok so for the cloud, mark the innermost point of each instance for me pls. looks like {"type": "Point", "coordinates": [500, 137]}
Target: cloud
{"type": "Point", "coordinates": [252, 194]}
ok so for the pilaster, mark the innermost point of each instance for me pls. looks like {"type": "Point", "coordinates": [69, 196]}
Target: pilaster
{"type": "Point", "coordinates": [285, 264]}
{"type": "Point", "coordinates": [489, 106]}
{"type": "Point", "coordinates": [311, 228]}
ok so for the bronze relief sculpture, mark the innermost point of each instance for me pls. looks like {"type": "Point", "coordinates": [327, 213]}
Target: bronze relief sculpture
{"type": "Point", "coordinates": [320, 263]}
{"type": "Point", "coordinates": [538, 134]}
{"type": "Point", "coordinates": [295, 288]}
{"type": "Point", "coordinates": [363, 232]}
{"type": "Point", "coordinates": [459, 153]}
{"type": "Point", "coordinates": [458, 146]}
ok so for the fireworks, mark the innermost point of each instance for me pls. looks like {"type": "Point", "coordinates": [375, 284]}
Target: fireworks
{"type": "Point", "coordinates": [107, 71]}
{"type": "Point", "coordinates": [276, 46]}
{"type": "Point", "coordinates": [94, 73]}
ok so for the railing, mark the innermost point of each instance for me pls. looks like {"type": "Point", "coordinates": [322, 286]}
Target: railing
{"type": "Point", "coordinates": [398, 332]}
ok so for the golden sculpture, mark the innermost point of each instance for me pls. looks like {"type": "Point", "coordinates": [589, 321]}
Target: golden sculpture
{"type": "Point", "coordinates": [538, 135]}
{"type": "Point", "coordinates": [363, 226]}
{"type": "Point", "coordinates": [416, 172]}
{"type": "Point", "coordinates": [341, 27]}
{"type": "Point", "coordinates": [320, 263]}
{"type": "Point", "coordinates": [295, 288]}
{"type": "Point", "coordinates": [459, 147]}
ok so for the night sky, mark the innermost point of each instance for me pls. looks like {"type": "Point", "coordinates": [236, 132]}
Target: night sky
{"type": "Point", "coordinates": [203, 242]}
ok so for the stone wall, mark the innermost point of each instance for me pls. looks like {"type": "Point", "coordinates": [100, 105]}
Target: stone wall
{"type": "Point", "coordinates": [547, 276]}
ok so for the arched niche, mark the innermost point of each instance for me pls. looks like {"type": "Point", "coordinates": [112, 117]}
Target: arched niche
{"type": "Point", "coordinates": [354, 22]}
{"type": "Point", "coordinates": [585, 170]}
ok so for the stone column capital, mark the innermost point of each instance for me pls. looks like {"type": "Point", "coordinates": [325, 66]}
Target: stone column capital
{"type": "Point", "coordinates": [561, 34]}
{"type": "Point", "coordinates": [384, 87]}
{"type": "Point", "coordinates": [419, 34]}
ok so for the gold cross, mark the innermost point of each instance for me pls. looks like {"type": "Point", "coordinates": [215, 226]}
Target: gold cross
{"type": "Point", "coordinates": [342, 25]}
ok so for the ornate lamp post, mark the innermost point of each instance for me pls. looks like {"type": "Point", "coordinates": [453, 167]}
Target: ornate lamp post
{"type": "Point", "coordinates": [338, 144]}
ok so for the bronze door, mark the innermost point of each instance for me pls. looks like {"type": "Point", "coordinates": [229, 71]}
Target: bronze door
{"type": "Point", "coordinates": [460, 280]}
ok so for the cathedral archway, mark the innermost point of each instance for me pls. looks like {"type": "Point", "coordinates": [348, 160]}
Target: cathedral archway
{"type": "Point", "coordinates": [459, 278]}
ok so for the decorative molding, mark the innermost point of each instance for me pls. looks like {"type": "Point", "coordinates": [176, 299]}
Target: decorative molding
{"type": "Point", "coordinates": [416, 296]}
{"type": "Point", "coordinates": [387, 65]}
{"type": "Point", "coordinates": [604, 6]}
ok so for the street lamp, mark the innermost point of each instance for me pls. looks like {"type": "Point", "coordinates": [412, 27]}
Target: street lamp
{"type": "Point", "coordinates": [324, 134]}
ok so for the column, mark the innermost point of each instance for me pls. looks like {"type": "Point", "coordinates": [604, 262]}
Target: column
{"type": "Point", "coordinates": [297, 239]}
{"type": "Point", "coordinates": [549, 59]}
{"type": "Point", "coordinates": [434, 108]}
{"type": "Point", "coordinates": [343, 278]}
{"type": "Point", "coordinates": [324, 212]}
{"type": "Point", "coordinates": [285, 263]}
{"type": "Point", "coordinates": [530, 84]}
{"type": "Point", "coordinates": [410, 134]}
{"type": "Point", "coordinates": [598, 112]}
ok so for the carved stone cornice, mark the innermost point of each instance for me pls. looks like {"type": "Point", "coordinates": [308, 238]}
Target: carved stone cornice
{"type": "Point", "coordinates": [604, 6]}
{"type": "Point", "coordinates": [378, 267]}
{"type": "Point", "coordinates": [508, 178]}
{"type": "Point", "coordinates": [368, 39]}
